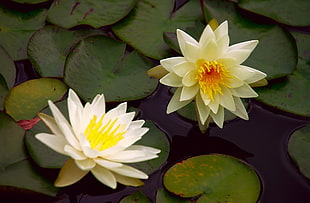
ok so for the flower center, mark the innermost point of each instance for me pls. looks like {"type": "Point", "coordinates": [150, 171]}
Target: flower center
{"type": "Point", "coordinates": [211, 76]}
{"type": "Point", "coordinates": [103, 136]}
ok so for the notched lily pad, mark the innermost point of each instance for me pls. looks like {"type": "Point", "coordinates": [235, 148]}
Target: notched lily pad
{"type": "Point", "coordinates": [214, 178]}
{"type": "Point", "coordinates": [70, 13]}
{"type": "Point", "coordinates": [98, 64]}
{"type": "Point", "coordinates": [24, 101]}
{"type": "Point", "coordinates": [163, 196]}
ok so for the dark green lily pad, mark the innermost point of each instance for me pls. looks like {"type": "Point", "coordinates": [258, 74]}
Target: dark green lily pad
{"type": "Point", "coordinates": [7, 69]}
{"type": "Point", "coordinates": [137, 197]}
{"type": "Point", "coordinates": [17, 27]}
{"type": "Point", "coordinates": [24, 101]}
{"type": "Point", "coordinates": [98, 64]}
{"type": "Point", "coordinates": [299, 149]}
{"type": "Point", "coordinates": [3, 91]}
{"type": "Point", "coordinates": [214, 178]}
{"type": "Point", "coordinates": [49, 47]}
{"type": "Point", "coordinates": [289, 12]}
{"type": "Point", "coordinates": [30, 1]}
{"type": "Point", "coordinates": [163, 196]}
{"type": "Point", "coordinates": [269, 56]}
{"type": "Point", "coordinates": [70, 13]}
{"type": "Point", "coordinates": [15, 169]}
{"type": "Point", "coordinates": [291, 93]}
{"type": "Point", "coordinates": [144, 27]}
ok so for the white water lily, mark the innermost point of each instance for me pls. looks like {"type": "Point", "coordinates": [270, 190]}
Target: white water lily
{"type": "Point", "coordinates": [97, 141]}
{"type": "Point", "coordinates": [210, 72]}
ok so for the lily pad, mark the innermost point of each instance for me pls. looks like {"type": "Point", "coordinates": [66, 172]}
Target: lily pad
{"type": "Point", "coordinates": [289, 12]}
{"type": "Point", "coordinates": [3, 91]}
{"type": "Point", "coordinates": [70, 13]}
{"type": "Point", "coordinates": [214, 178]}
{"type": "Point", "coordinates": [137, 197]}
{"type": "Point", "coordinates": [144, 27]}
{"type": "Point", "coordinates": [269, 56]}
{"type": "Point", "coordinates": [49, 47]}
{"type": "Point", "coordinates": [7, 69]}
{"type": "Point", "coordinates": [163, 196]}
{"type": "Point", "coordinates": [16, 29]}
{"type": "Point", "coordinates": [98, 64]}
{"type": "Point", "coordinates": [291, 93]}
{"type": "Point", "coordinates": [299, 149]}
{"type": "Point", "coordinates": [24, 101]}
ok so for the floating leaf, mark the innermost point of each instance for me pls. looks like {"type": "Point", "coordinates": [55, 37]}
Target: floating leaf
{"type": "Point", "coordinates": [17, 27]}
{"type": "Point", "coordinates": [291, 93]}
{"type": "Point", "coordinates": [70, 13]}
{"type": "Point", "coordinates": [30, 1]}
{"type": "Point", "coordinates": [299, 149]}
{"type": "Point", "coordinates": [3, 91]}
{"type": "Point", "coordinates": [137, 197]}
{"type": "Point", "coordinates": [157, 139]}
{"type": "Point", "coordinates": [7, 69]}
{"type": "Point", "coordinates": [49, 47]}
{"type": "Point", "coordinates": [44, 156]}
{"type": "Point", "coordinates": [24, 101]}
{"type": "Point", "coordinates": [289, 12]}
{"type": "Point", "coordinates": [144, 27]}
{"type": "Point", "coordinates": [214, 178]}
{"type": "Point", "coordinates": [98, 65]}
{"type": "Point", "coordinates": [269, 56]}
{"type": "Point", "coordinates": [163, 196]}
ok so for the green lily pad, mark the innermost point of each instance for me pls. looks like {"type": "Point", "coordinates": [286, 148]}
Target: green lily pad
{"type": "Point", "coordinates": [49, 47]}
{"type": "Point", "coordinates": [137, 197]}
{"type": "Point", "coordinates": [15, 169]}
{"type": "Point", "coordinates": [24, 101]}
{"type": "Point", "coordinates": [269, 56]}
{"type": "Point", "coordinates": [214, 178]}
{"type": "Point", "coordinates": [144, 27]}
{"type": "Point", "coordinates": [70, 13]}
{"type": "Point", "coordinates": [289, 12]}
{"type": "Point", "coordinates": [3, 91]}
{"type": "Point", "coordinates": [157, 139]}
{"type": "Point", "coordinates": [291, 94]}
{"type": "Point", "coordinates": [44, 156]}
{"type": "Point", "coordinates": [30, 1]}
{"type": "Point", "coordinates": [163, 196]}
{"type": "Point", "coordinates": [98, 64]}
{"type": "Point", "coordinates": [299, 149]}
{"type": "Point", "coordinates": [17, 27]}
{"type": "Point", "coordinates": [7, 69]}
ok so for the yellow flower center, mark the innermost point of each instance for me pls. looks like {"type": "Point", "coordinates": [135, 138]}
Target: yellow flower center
{"type": "Point", "coordinates": [101, 136]}
{"type": "Point", "coordinates": [211, 77]}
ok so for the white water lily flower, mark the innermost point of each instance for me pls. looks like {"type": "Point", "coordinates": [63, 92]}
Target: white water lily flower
{"type": "Point", "coordinates": [97, 141]}
{"type": "Point", "coordinates": [210, 72]}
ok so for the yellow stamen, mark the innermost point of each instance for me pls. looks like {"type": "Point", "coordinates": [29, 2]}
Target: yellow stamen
{"type": "Point", "coordinates": [101, 136]}
{"type": "Point", "coordinates": [211, 77]}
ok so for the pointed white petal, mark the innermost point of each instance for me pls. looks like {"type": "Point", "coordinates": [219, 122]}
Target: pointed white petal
{"type": "Point", "coordinates": [188, 93]}
{"type": "Point", "coordinates": [241, 51]}
{"type": "Point", "coordinates": [131, 156]}
{"type": "Point", "coordinates": [106, 163]}
{"type": "Point", "coordinates": [55, 142]}
{"type": "Point", "coordinates": [221, 30]}
{"type": "Point", "coordinates": [252, 75]}
{"type": "Point", "coordinates": [169, 63]}
{"type": "Point", "coordinates": [228, 63]}
{"type": "Point", "coordinates": [130, 172]}
{"type": "Point", "coordinates": [245, 91]}
{"type": "Point", "coordinates": [182, 68]}
{"type": "Point", "coordinates": [104, 176]}
{"type": "Point", "coordinates": [128, 181]}
{"type": "Point", "coordinates": [75, 109]}
{"type": "Point", "coordinates": [69, 174]}
{"type": "Point", "coordinates": [206, 36]}
{"type": "Point", "coordinates": [218, 118]}
{"type": "Point", "coordinates": [191, 52]}
{"type": "Point", "coordinates": [172, 80]}
{"type": "Point", "coordinates": [214, 105]}
{"type": "Point", "coordinates": [184, 38]}
{"type": "Point", "coordinates": [175, 103]}
{"type": "Point", "coordinates": [205, 98]}
{"type": "Point", "coordinates": [89, 152]}
{"type": "Point", "coordinates": [50, 123]}
{"type": "Point", "coordinates": [144, 148]}
{"type": "Point", "coordinates": [240, 109]}
{"type": "Point", "coordinates": [203, 110]}
{"type": "Point", "coordinates": [74, 153]}
{"type": "Point", "coordinates": [235, 82]}
{"type": "Point", "coordinates": [86, 164]}
{"type": "Point", "coordinates": [226, 100]}
{"type": "Point", "coordinates": [190, 78]}
{"type": "Point", "coordinates": [136, 124]}
{"type": "Point", "coordinates": [209, 52]}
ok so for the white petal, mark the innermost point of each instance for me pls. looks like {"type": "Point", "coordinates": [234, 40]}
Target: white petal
{"type": "Point", "coordinates": [188, 93]}
{"type": "Point", "coordinates": [203, 110]}
{"type": "Point", "coordinates": [64, 126]}
{"type": "Point", "coordinates": [144, 148]}
{"type": "Point", "coordinates": [128, 181]}
{"type": "Point", "coordinates": [89, 152]}
{"type": "Point", "coordinates": [226, 100]}
{"type": "Point", "coordinates": [234, 82]}
{"type": "Point", "coordinates": [191, 52]}
{"type": "Point", "coordinates": [218, 117]}
{"type": "Point", "coordinates": [175, 103]}
{"type": "Point", "coordinates": [75, 154]}
{"type": "Point", "coordinates": [222, 38]}
{"type": "Point", "coordinates": [228, 63]}
{"type": "Point", "coordinates": [253, 75]}
{"type": "Point", "coordinates": [50, 123]}
{"type": "Point", "coordinates": [107, 164]}
{"type": "Point", "coordinates": [169, 63]}
{"type": "Point", "coordinates": [104, 176]}
{"type": "Point", "coordinates": [190, 78]}
{"type": "Point", "coordinates": [125, 121]}
{"type": "Point", "coordinates": [131, 156]}
{"type": "Point", "coordinates": [209, 52]}
{"type": "Point", "coordinates": [184, 38]}
{"type": "Point", "coordinates": [130, 172]}
{"type": "Point", "coordinates": [205, 98]}
{"type": "Point", "coordinates": [172, 80]}
{"type": "Point", "coordinates": [69, 174]}
{"type": "Point", "coordinates": [117, 111]}
{"type": "Point", "coordinates": [182, 68]}
{"type": "Point", "coordinates": [206, 36]}
{"type": "Point", "coordinates": [245, 91]}
{"type": "Point", "coordinates": [222, 45]}
{"type": "Point", "coordinates": [75, 109]}
{"type": "Point", "coordinates": [241, 51]}
{"type": "Point", "coordinates": [55, 142]}
{"type": "Point", "coordinates": [240, 109]}
{"type": "Point", "coordinates": [136, 124]}
{"type": "Point", "coordinates": [86, 164]}
{"type": "Point", "coordinates": [214, 105]}
{"type": "Point", "coordinates": [221, 30]}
